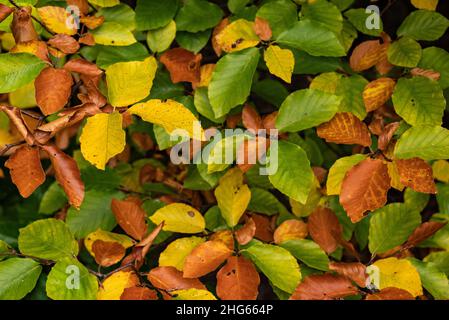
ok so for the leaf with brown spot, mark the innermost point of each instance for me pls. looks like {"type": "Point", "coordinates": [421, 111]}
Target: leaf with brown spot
{"type": "Point", "coordinates": [107, 253]}
{"type": "Point", "coordinates": [205, 258]}
{"type": "Point", "coordinates": [424, 231]}
{"type": "Point", "coordinates": [365, 55]}
{"type": "Point", "coordinates": [139, 293]}
{"type": "Point", "coordinates": [238, 279]}
{"type": "Point", "coordinates": [182, 65]}
{"type": "Point", "coordinates": [325, 229]}
{"type": "Point", "coordinates": [131, 217]}
{"type": "Point", "coordinates": [290, 230]}
{"type": "Point", "coordinates": [364, 188]}
{"type": "Point", "coordinates": [391, 293]}
{"type": "Point", "coordinates": [416, 174]}
{"type": "Point", "coordinates": [377, 93]}
{"type": "Point", "coordinates": [22, 26]}
{"type": "Point", "coordinates": [355, 271]}
{"type": "Point", "coordinates": [324, 287]}
{"type": "Point", "coordinates": [431, 74]}
{"type": "Point", "coordinates": [262, 29]}
{"type": "Point", "coordinates": [169, 278]}
{"type": "Point", "coordinates": [67, 174]}
{"type": "Point", "coordinates": [64, 43]}
{"type": "Point", "coordinates": [246, 233]}
{"type": "Point", "coordinates": [387, 135]}
{"type": "Point", "coordinates": [83, 67]}
{"type": "Point", "coordinates": [26, 170]}
{"type": "Point", "coordinates": [217, 48]}
{"type": "Point", "coordinates": [251, 118]}
{"type": "Point", "coordinates": [53, 89]}
{"type": "Point", "coordinates": [5, 11]}
{"type": "Point", "coordinates": [345, 128]}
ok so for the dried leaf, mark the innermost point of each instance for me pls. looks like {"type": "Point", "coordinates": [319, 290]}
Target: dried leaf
{"type": "Point", "coordinates": [324, 287]}
{"type": "Point", "coordinates": [355, 271]}
{"type": "Point", "coordinates": [83, 67]}
{"type": "Point", "coordinates": [215, 45]}
{"type": "Point", "coordinates": [107, 253]}
{"type": "Point", "coordinates": [390, 293]}
{"type": "Point", "coordinates": [237, 35]}
{"type": "Point", "coordinates": [251, 118]}
{"type": "Point", "coordinates": [324, 229]}
{"type": "Point", "coordinates": [387, 135]}
{"type": "Point", "coordinates": [431, 74]}
{"type": "Point", "coordinates": [113, 286]}
{"type": "Point", "coordinates": [224, 236]}
{"type": "Point", "coordinates": [131, 217]}
{"type": "Point", "coordinates": [22, 27]}
{"type": "Point", "coordinates": [246, 233]}
{"type": "Point", "coordinates": [424, 231]}
{"type": "Point", "coordinates": [264, 227]}
{"type": "Point", "coordinates": [38, 48]}
{"type": "Point", "coordinates": [416, 174]}
{"type": "Point", "coordinates": [53, 89]}
{"type": "Point", "coordinates": [182, 64]}
{"type": "Point", "coordinates": [168, 278]}
{"type": "Point", "coordinates": [377, 93]}
{"type": "Point", "coordinates": [92, 22]}
{"type": "Point", "coordinates": [65, 43]}
{"type": "Point", "coordinates": [290, 230]}
{"type": "Point", "coordinates": [139, 293]}
{"type": "Point", "coordinates": [262, 29]}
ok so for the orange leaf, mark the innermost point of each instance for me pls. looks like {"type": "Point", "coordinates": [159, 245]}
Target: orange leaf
{"type": "Point", "coordinates": [424, 231]}
{"type": "Point", "coordinates": [251, 118]}
{"type": "Point", "coordinates": [391, 293]}
{"type": "Point", "coordinates": [36, 47]}
{"type": "Point", "coordinates": [238, 280]}
{"type": "Point", "coordinates": [92, 22]}
{"type": "Point", "coordinates": [107, 253]}
{"type": "Point", "coordinates": [168, 278]}
{"type": "Point", "coordinates": [290, 230]}
{"type": "Point", "coordinates": [264, 227]}
{"type": "Point", "coordinates": [377, 93]}
{"type": "Point", "coordinates": [26, 170]}
{"type": "Point", "coordinates": [384, 66]}
{"type": "Point", "coordinates": [65, 43]}
{"type": "Point", "coordinates": [22, 26]}
{"type": "Point", "coordinates": [324, 287]}
{"type": "Point", "coordinates": [53, 89]}
{"type": "Point", "coordinates": [224, 236]}
{"type": "Point", "coordinates": [83, 67]}
{"type": "Point", "coordinates": [87, 39]}
{"type": "Point", "coordinates": [387, 135]}
{"type": "Point", "coordinates": [325, 229]}
{"type": "Point", "coordinates": [131, 217]}
{"type": "Point", "coordinates": [431, 74]}
{"type": "Point", "coordinates": [365, 188]}
{"type": "Point", "coordinates": [205, 258]}
{"type": "Point", "coordinates": [82, 5]}
{"type": "Point", "coordinates": [345, 128]}
{"type": "Point", "coordinates": [246, 233]}
{"type": "Point", "coordinates": [365, 55]}
{"type": "Point", "coordinates": [183, 65]}
{"type": "Point", "coordinates": [355, 271]}
{"type": "Point", "coordinates": [217, 48]}
{"type": "Point", "coordinates": [262, 29]}
{"type": "Point", "coordinates": [416, 174]}
{"type": "Point", "coordinates": [139, 293]}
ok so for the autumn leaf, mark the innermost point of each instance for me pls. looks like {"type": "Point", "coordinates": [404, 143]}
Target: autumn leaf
{"type": "Point", "coordinates": [5, 11]}
{"type": "Point", "coordinates": [251, 119]}
{"type": "Point", "coordinates": [365, 55]}
{"type": "Point", "coordinates": [425, 4]}
{"type": "Point", "coordinates": [53, 89]}
{"type": "Point", "coordinates": [386, 136]}
{"type": "Point", "coordinates": [355, 271]}
{"type": "Point", "coordinates": [58, 20]}
{"type": "Point", "coordinates": [262, 29]}
{"type": "Point", "coordinates": [131, 217]}
{"type": "Point", "coordinates": [179, 217]}
{"type": "Point", "coordinates": [139, 293]}
{"type": "Point", "coordinates": [22, 27]}
{"type": "Point", "coordinates": [176, 252]}
{"type": "Point", "coordinates": [182, 64]}
{"type": "Point", "coordinates": [65, 43]}
{"type": "Point", "coordinates": [416, 174]}
{"type": "Point", "coordinates": [83, 67]}
{"type": "Point", "coordinates": [390, 293]}
{"type": "Point", "coordinates": [424, 231]}
{"type": "Point", "coordinates": [440, 169]}
{"type": "Point", "coordinates": [238, 35]}
{"type": "Point", "coordinates": [224, 236]}
{"type": "Point", "coordinates": [324, 228]}
{"type": "Point", "coordinates": [324, 287]}
{"type": "Point", "coordinates": [246, 233]}
{"type": "Point", "coordinates": [280, 62]}
{"type": "Point", "coordinates": [168, 278]}
{"type": "Point", "coordinates": [113, 286]}
{"type": "Point", "coordinates": [290, 230]}
{"type": "Point", "coordinates": [365, 188]}
{"type": "Point", "coordinates": [107, 253]}
{"type": "Point", "coordinates": [106, 236]}
{"type": "Point", "coordinates": [377, 93]}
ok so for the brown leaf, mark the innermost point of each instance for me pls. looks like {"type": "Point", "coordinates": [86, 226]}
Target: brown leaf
{"type": "Point", "coordinates": [67, 174]}
{"type": "Point", "coordinates": [324, 228]}
{"type": "Point", "coordinates": [65, 43]}
{"type": "Point", "coordinates": [365, 188]}
{"type": "Point", "coordinates": [391, 293]}
{"type": "Point", "coordinates": [182, 64]}
{"type": "Point", "coordinates": [251, 151]}
{"type": "Point", "coordinates": [205, 258]}
{"type": "Point", "coordinates": [262, 29]}
{"type": "Point", "coordinates": [251, 118]}
{"type": "Point", "coordinates": [424, 231]}
{"type": "Point", "coordinates": [384, 66]}
{"type": "Point", "coordinates": [290, 230]}
{"type": "Point", "coordinates": [324, 287]}
{"type": "Point", "coordinates": [238, 280]}
{"type": "Point", "coordinates": [84, 67]}
{"type": "Point", "coordinates": [416, 174]}
{"type": "Point", "coordinates": [224, 236]}
{"type": "Point", "coordinates": [377, 93]}
{"type": "Point", "coordinates": [131, 217]}
{"type": "Point", "coordinates": [217, 48]}
{"type": "Point", "coordinates": [345, 128]}
{"type": "Point", "coordinates": [355, 271]}
{"type": "Point", "coordinates": [431, 74]}
{"type": "Point", "coordinates": [26, 170]}
{"type": "Point", "coordinates": [107, 253]}
{"type": "Point", "coordinates": [36, 47]}
{"type": "Point", "coordinates": [320, 174]}
{"type": "Point", "coordinates": [87, 39]}
{"type": "Point", "coordinates": [15, 115]}
{"type": "Point", "coordinates": [92, 22]}
{"type": "Point", "coordinates": [246, 233]}
{"type": "Point", "coordinates": [387, 135]}
{"type": "Point", "coordinates": [82, 5]}
{"type": "Point", "coordinates": [139, 293]}
{"type": "Point", "coordinates": [93, 93]}
{"type": "Point", "coordinates": [53, 89]}
{"type": "Point", "coordinates": [269, 121]}
{"type": "Point", "coordinates": [5, 11]}
{"type": "Point", "coordinates": [264, 227]}
{"type": "Point", "coordinates": [168, 278]}
{"type": "Point", "coordinates": [233, 120]}
{"type": "Point", "coordinates": [365, 55]}
{"type": "Point", "coordinates": [22, 26]}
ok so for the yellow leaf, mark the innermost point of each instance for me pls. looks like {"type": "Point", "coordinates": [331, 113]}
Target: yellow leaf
{"type": "Point", "coordinates": [232, 196]}
{"type": "Point", "coordinates": [394, 176]}
{"type": "Point", "coordinates": [24, 97]}
{"type": "Point", "coordinates": [338, 171]}
{"type": "Point", "coordinates": [6, 137]}
{"type": "Point", "coordinates": [176, 252]}
{"type": "Point", "coordinates": [440, 170]}
{"type": "Point", "coordinates": [304, 210]}
{"type": "Point", "coordinates": [169, 114]}
{"type": "Point", "coordinates": [192, 294]}
{"type": "Point", "coordinates": [397, 273]}
{"type": "Point", "coordinates": [280, 62]}
{"type": "Point", "coordinates": [105, 3]}
{"type": "Point", "coordinates": [425, 4]}
{"type": "Point", "coordinates": [58, 20]}
{"type": "Point", "coordinates": [130, 82]}
{"type": "Point", "coordinates": [206, 74]}
{"type": "Point", "coordinates": [114, 285]}
{"type": "Point", "coordinates": [179, 217]}
{"type": "Point", "coordinates": [8, 41]}
{"type": "Point", "coordinates": [326, 82]}
{"type": "Point", "coordinates": [237, 36]}
{"type": "Point", "coordinates": [124, 240]}
{"type": "Point", "coordinates": [102, 138]}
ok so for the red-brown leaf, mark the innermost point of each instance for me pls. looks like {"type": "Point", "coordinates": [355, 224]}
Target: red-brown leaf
{"type": "Point", "coordinates": [139, 293]}
{"type": "Point", "coordinates": [431, 74]}
{"type": "Point", "coordinates": [424, 231]}
{"type": "Point", "coordinates": [387, 135]}
{"type": "Point", "coordinates": [365, 188]}
{"type": "Point", "coordinates": [264, 227]}
{"type": "Point", "coordinates": [107, 253]}
{"type": "Point", "coordinates": [365, 55]}
{"type": "Point", "coordinates": [324, 228]}
{"type": "Point", "coordinates": [390, 293]}
{"type": "Point", "coordinates": [64, 43]}
{"type": "Point", "coordinates": [168, 278]}
{"type": "Point", "coordinates": [53, 89]}
{"type": "Point", "coordinates": [416, 174]}
{"type": "Point", "coordinates": [131, 217]}
{"type": "Point", "coordinates": [182, 64]}
{"type": "Point", "coordinates": [26, 170]}
{"type": "Point", "coordinates": [246, 233]}
{"type": "Point", "coordinates": [22, 26]}
{"type": "Point", "coordinates": [84, 67]}
{"type": "Point", "coordinates": [238, 280]}
{"type": "Point", "coordinates": [290, 230]}
{"type": "Point", "coordinates": [87, 39]}
{"type": "Point", "coordinates": [262, 29]}
{"type": "Point", "coordinates": [324, 287]}
{"type": "Point", "coordinates": [355, 271]}
{"type": "Point", "coordinates": [82, 5]}
{"type": "Point", "coordinates": [251, 118]}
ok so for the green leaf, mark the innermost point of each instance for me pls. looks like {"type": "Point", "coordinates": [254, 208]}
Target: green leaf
{"type": "Point", "coordinates": [307, 64]}
{"type": "Point", "coordinates": [433, 280]}
{"type": "Point", "coordinates": [121, 14]}
{"type": "Point", "coordinates": [443, 197]}
{"type": "Point", "coordinates": [95, 213]}
{"type": "Point", "coordinates": [204, 107]}
{"type": "Point", "coordinates": [214, 219]}
{"type": "Point", "coordinates": [70, 280]}
{"type": "Point", "coordinates": [424, 25]}
{"type": "Point", "coordinates": [53, 200]}
{"type": "Point", "coordinates": [105, 3]}
{"type": "Point", "coordinates": [358, 18]}
{"type": "Point", "coordinates": [270, 259]}
{"type": "Point", "coordinates": [308, 252]}
{"type": "Point", "coordinates": [113, 34]}
{"type": "Point", "coordinates": [325, 13]}
{"type": "Point", "coordinates": [343, 4]}
{"type": "Point", "coordinates": [49, 239]}
{"type": "Point", "coordinates": [160, 39]}
{"type": "Point", "coordinates": [193, 41]}
{"type": "Point", "coordinates": [198, 15]}
{"type": "Point", "coordinates": [263, 201]}
{"type": "Point", "coordinates": [108, 55]}
{"type": "Point", "coordinates": [18, 277]}
{"type": "Point", "coordinates": [419, 101]}
{"type": "Point", "coordinates": [18, 69]}
{"type": "Point", "coordinates": [425, 142]}
{"type": "Point", "coordinates": [440, 260]}
{"type": "Point", "coordinates": [272, 91]}
{"type": "Point", "coordinates": [293, 176]}
{"type": "Point", "coordinates": [390, 226]}
{"type": "Point", "coordinates": [237, 5]}
{"type": "Point", "coordinates": [281, 15]}
{"type": "Point", "coordinates": [405, 52]}
{"type": "Point", "coordinates": [416, 200]}
{"type": "Point", "coordinates": [231, 80]}
{"type": "Point", "coordinates": [441, 238]}
{"type": "Point", "coordinates": [307, 108]}
{"type": "Point", "coordinates": [434, 58]}
{"type": "Point", "coordinates": [154, 14]}
{"type": "Point", "coordinates": [313, 38]}
{"type": "Point", "coordinates": [338, 171]}
{"type": "Point", "coordinates": [351, 90]}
